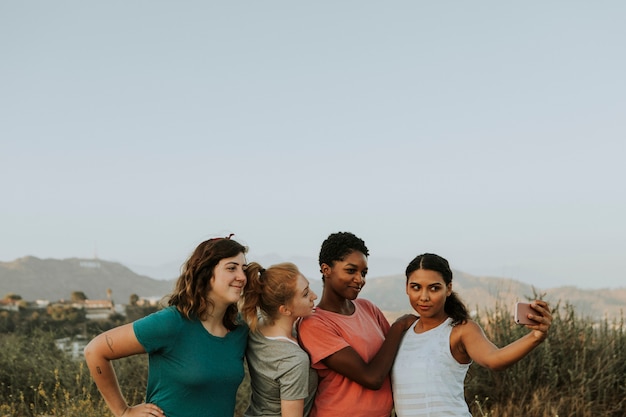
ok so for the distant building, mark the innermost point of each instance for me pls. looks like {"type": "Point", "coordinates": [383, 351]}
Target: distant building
{"type": "Point", "coordinates": [93, 309]}
{"type": "Point", "coordinates": [10, 305]}
{"type": "Point", "coordinates": [149, 301]}
{"type": "Point", "coordinates": [41, 304]}
{"type": "Point", "coordinates": [96, 309]}
{"type": "Point", "coordinates": [72, 346]}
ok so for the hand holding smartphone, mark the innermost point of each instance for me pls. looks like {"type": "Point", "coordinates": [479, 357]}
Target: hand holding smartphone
{"type": "Point", "coordinates": [522, 310]}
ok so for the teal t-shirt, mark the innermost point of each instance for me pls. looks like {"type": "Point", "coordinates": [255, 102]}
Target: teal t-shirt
{"type": "Point", "coordinates": [191, 373]}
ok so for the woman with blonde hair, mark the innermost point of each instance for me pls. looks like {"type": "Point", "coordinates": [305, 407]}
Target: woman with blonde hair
{"type": "Point", "coordinates": [281, 378]}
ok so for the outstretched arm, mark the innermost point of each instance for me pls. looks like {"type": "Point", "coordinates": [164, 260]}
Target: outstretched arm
{"type": "Point", "coordinates": [482, 351]}
{"type": "Point", "coordinates": [371, 375]}
{"type": "Point", "coordinates": [116, 343]}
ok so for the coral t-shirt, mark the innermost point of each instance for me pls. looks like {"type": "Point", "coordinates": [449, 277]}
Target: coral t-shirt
{"type": "Point", "coordinates": [325, 333]}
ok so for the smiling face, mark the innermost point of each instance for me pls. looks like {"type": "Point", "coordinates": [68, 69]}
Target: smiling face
{"type": "Point", "coordinates": [228, 280]}
{"type": "Point", "coordinates": [427, 291]}
{"type": "Point", "coordinates": [302, 303]}
{"type": "Point", "coordinates": [346, 278]}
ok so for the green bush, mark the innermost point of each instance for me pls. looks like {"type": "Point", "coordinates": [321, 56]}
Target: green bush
{"type": "Point", "coordinates": [580, 370]}
{"type": "Point", "coordinates": [38, 379]}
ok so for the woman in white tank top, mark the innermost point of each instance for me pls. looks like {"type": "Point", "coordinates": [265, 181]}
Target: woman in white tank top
{"type": "Point", "coordinates": [436, 352]}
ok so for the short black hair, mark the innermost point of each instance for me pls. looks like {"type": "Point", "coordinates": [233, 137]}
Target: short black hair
{"type": "Point", "coordinates": [339, 245]}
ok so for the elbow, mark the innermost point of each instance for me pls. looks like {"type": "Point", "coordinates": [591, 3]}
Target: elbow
{"type": "Point", "coordinates": [496, 366]}
{"type": "Point", "coordinates": [374, 383]}
{"type": "Point", "coordinates": [90, 352]}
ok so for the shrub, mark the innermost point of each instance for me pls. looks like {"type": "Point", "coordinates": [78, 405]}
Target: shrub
{"type": "Point", "coordinates": [580, 370]}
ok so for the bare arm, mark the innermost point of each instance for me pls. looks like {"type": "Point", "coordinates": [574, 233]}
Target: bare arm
{"type": "Point", "coordinates": [116, 343]}
{"type": "Point", "coordinates": [292, 408]}
{"type": "Point", "coordinates": [485, 353]}
{"type": "Point", "coordinates": [371, 375]}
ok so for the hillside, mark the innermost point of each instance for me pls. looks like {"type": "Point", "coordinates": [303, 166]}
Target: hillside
{"type": "Point", "coordinates": [52, 279]}
{"type": "Point", "coordinates": [484, 292]}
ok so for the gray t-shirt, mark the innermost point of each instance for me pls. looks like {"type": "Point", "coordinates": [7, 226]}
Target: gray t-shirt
{"type": "Point", "coordinates": [279, 369]}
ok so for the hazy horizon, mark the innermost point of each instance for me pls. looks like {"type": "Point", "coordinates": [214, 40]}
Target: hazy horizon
{"type": "Point", "coordinates": [379, 267]}
{"type": "Point", "coordinates": [490, 133]}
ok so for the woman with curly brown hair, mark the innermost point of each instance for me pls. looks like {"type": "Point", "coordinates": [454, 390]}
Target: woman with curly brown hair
{"type": "Point", "coordinates": [196, 345]}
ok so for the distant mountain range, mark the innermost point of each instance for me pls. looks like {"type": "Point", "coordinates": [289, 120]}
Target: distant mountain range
{"type": "Point", "coordinates": [52, 279]}
{"type": "Point", "coordinates": [480, 293]}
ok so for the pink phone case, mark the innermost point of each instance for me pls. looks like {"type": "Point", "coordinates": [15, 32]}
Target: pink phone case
{"type": "Point", "coordinates": [521, 313]}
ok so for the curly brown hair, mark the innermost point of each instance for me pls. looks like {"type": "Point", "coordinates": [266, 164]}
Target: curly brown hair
{"type": "Point", "coordinates": [194, 283]}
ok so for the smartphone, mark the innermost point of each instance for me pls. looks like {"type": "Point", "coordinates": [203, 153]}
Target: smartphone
{"type": "Point", "coordinates": [521, 313]}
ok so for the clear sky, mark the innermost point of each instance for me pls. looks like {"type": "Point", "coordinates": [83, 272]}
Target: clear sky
{"type": "Point", "coordinates": [492, 133]}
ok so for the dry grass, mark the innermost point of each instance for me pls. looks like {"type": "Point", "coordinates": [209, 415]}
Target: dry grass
{"type": "Point", "coordinates": [579, 371]}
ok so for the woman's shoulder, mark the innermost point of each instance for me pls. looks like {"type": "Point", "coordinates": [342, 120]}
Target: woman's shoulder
{"type": "Point", "coordinates": [168, 314]}
{"type": "Point", "coordinates": [239, 333]}
{"type": "Point", "coordinates": [317, 317]}
{"type": "Point", "coordinates": [465, 328]}
{"type": "Point", "coordinates": [321, 320]}
{"type": "Point", "coordinates": [154, 330]}
{"type": "Point", "coordinates": [365, 303]}
{"type": "Point", "coordinates": [171, 311]}
{"type": "Point", "coordinates": [467, 323]}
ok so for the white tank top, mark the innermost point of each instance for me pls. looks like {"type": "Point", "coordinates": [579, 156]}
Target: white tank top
{"type": "Point", "coordinates": [426, 379]}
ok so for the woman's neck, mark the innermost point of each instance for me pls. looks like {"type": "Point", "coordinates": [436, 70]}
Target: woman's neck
{"type": "Point", "coordinates": [425, 324]}
{"type": "Point", "coordinates": [340, 305]}
{"type": "Point", "coordinates": [214, 322]}
{"type": "Point", "coordinates": [281, 327]}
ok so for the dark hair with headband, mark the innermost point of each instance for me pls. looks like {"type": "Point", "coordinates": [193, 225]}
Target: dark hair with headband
{"type": "Point", "coordinates": [194, 283]}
